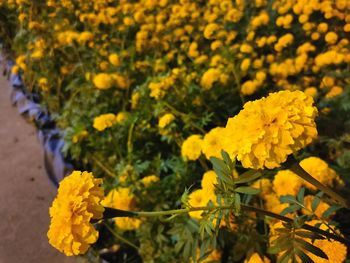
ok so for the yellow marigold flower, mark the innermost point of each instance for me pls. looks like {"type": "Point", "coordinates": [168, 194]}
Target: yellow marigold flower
{"type": "Point", "coordinates": [85, 37]}
{"type": "Point", "coordinates": [245, 48]}
{"type": "Point", "coordinates": [77, 202]}
{"type": "Point", "coordinates": [286, 183]}
{"type": "Point", "coordinates": [15, 69]}
{"type": "Point", "coordinates": [104, 121]}
{"type": "Point", "coordinates": [208, 181]}
{"type": "Point", "coordinates": [331, 37]}
{"type": "Point", "coordinates": [320, 170]}
{"type": "Point", "coordinates": [193, 50]}
{"type": "Point", "coordinates": [245, 64]}
{"type": "Point", "coordinates": [311, 91]}
{"type": "Point", "coordinates": [165, 120]}
{"type": "Point", "coordinates": [121, 116]}
{"type": "Point", "coordinates": [150, 179]}
{"type": "Point", "coordinates": [266, 131]}
{"type": "Point", "coordinates": [255, 258]}
{"type": "Point", "coordinates": [192, 147]}
{"type": "Point", "coordinates": [123, 199]}
{"type": "Point", "coordinates": [213, 143]}
{"type": "Point", "coordinates": [103, 81]}
{"type": "Point", "coordinates": [249, 87]}
{"type": "Point", "coordinates": [199, 198]}
{"type": "Point", "coordinates": [335, 91]}
{"type": "Point", "coordinates": [211, 76]}
{"type": "Point", "coordinates": [114, 59]}
{"type": "Point", "coordinates": [210, 29]}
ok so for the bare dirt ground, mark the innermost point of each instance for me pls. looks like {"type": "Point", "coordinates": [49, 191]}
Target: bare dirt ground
{"type": "Point", "coordinates": [25, 191]}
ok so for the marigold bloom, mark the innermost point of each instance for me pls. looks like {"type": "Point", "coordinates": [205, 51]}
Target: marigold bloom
{"type": "Point", "coordinates": [266, 131]}
{"type": "Point", "coordinates": [123, 199]}
{"type": "Point", "coordinates": [192, 147]}
{"type": "Point", "coordinates": [114, 59]}
{"type": "Point", "coordinates": [209, 77]}
{"type": "Point", "coordinates": [104, 121]}
{"type": "Point", "coordinates": [103, 81]}
{"type": "Point", "coordinates": [213, 143]}
{"type": "Point", "coordinates": [77, 202]}
{"type": "Point", "coordinates": [209, 181]}
{"type": "Point", "coordinates": [199, 198]}
{"type": "Point", "coordinates": [286, 183]}
{"type": "Point", "coordinates": [150, 179]}
{"type": "Point", "coordinates": [165, 120]}
{"type": "Point", "coordinates": [321, 208]}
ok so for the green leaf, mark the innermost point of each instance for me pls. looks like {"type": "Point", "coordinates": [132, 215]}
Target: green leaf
{"type": "Point", "coordinates": [311, 248]}
{"type": "Point", "coordinates": [291, 209]}
{"type": "Point", "coordinates": [285, 256]}
{"type": "Point", "coordinates": [301, 194]}
{"type": "Point", "coordinates": [227, 160]}
{"type": "Point", "coordinates": [247, 177]}
{"type": "Point", "coordinates": [247, 190]}
{"type": "Point", "coordinates": [237, 203]}
{"type": "Point", "coordinates": [315, 202]}
{"type": "Point", "coordinates": [304, 257]}
{"type": "Point", "coordinates": [308, 234]}
{"type": "Point", "coordinates": [330, 211]}
{"type": "Point", "coordinates": [288, 199]}
{"type": "Point", "coordinates": [220, 164]}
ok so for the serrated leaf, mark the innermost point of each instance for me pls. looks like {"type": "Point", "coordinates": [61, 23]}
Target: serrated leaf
{"type": "Point", "coordinates": [285, 256]}
{"type": "Point", "coordinates": [311, 248]}
{"type": "Point", "coordinates": [220, 164]}
{"type": "Point", "coordinates": [315, 202]}
{"type": "Point", "coordinates": [330, 211]}
{"type": "Point", "coordinates": [227, 160]}
{"type": "Point", "coordinates": [300, 196]}
{"type": "Point", "coordinates": [247, 190]}
{"type": "Point", "coordinates": [291, 209]}
{"type": "Point", "coordinates": [308, 234]}
{"type": "Point", "coordinates": [288, 199]}
{"type": "Point", "coordinates": [247, 177]}
{"type": "Point", "coordinates": [304, 257]}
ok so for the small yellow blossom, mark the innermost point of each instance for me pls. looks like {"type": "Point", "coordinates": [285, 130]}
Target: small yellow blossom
{"type": "Point", "coordinates": [103, 81]}
{"type": "Point", "coordinates": [213, 143]}
{"type": "Point", "coordinates": [104, 121]}
{"type": "Point", "coordinates": [286, 183]}
{"type": "Point", "coordinates": [150, 179]}
{"type": "Point", "coordinates": [192, 147]}
{"type": "Point", "coordinates": [165, 120]}
{"type": "Point", "coordinates": [209, 181]}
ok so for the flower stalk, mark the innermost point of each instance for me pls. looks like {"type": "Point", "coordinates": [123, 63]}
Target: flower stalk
{"type": "Point", "coordinates": [111, 213]}
{"type": "Point", "coordinates": [295, 167]}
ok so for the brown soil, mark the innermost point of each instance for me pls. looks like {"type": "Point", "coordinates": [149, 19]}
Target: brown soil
{"type": "Point", "coordinates": [25, 191]}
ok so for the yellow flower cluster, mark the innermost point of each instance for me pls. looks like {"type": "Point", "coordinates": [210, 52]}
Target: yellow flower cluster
{"type": "Point", "coordinates": [286, 182]}
{"type": "Point", "coordinates": [104, 121]}
{"type": "Point", "coordinates": [77, 202]}
{"type": "Point", "coordinates": [122, 198]}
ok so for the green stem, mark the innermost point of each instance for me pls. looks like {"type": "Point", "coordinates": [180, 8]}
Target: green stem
{"type": "Point", "coordinates": [110, 213]}
{"type": "Point", "coordinates": [297, 169]}
{"type": "Point", "coordinates": [103, 167]}
{"type": "Point", "coordinates": [119, 236]}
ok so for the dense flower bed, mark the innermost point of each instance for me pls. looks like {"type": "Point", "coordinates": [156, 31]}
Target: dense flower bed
{"type": "Point", "coordinates": [147, 92]}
